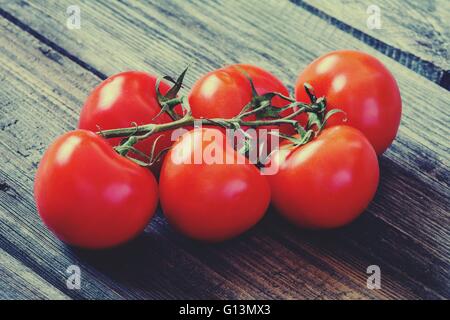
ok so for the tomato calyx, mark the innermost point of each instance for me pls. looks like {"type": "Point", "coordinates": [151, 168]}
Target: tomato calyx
{"type": "Point", "coordinates": [169, 101]}
{"type": "Point", "coordinates": [261, 105]}
{"type": "Point", "coordinates": [317, 119]}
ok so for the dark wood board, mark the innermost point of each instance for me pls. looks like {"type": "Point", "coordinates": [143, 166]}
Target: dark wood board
{"type": "Point", "coordinates": [416, 33]}
{"type": "Point", "coordinates": [47, 71]}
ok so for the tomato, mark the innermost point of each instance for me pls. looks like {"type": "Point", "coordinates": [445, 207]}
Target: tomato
{"type": "Point", "coordinates": [89, 195]}
{"type": "Point", "coordinates": [327, 182]}
{"type": "Point", "coordinates": [360, 85]}
{"type": "Point", "coordinates": [211, 200]}
{"type": "Point", "coordinates": [122, 100]}
{"type": "Point", "coordinates": [223, 93]}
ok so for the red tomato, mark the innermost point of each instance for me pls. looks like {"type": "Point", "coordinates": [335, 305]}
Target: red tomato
{"type": "Point", "coordinates": [122, 99]}
{"type": "Point", "coordinates": [223, 93]}
{"type": "Point", "coordinates": [360, 85]}
{"type": "Point", "coordinates": [211, 200]}
{"type": "Point", "coordinates": [327, 182]}
{"type": "Point", "coordinates": [89, 195]}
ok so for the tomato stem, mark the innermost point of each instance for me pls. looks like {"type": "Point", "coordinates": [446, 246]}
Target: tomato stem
{"type": "Point", "coordinates": [144, 131]}
{"type": "Point", "coordinates": [260, 106]}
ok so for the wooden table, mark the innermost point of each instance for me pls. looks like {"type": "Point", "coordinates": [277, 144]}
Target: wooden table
{"type": "Point", "coordinates": [47, 70]}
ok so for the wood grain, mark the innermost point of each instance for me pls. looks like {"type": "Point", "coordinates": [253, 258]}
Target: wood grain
{"type": "Point", "coordinates": [404, 231]}
{"type": "Point", "coordinates": [20, 282]}
{"type": "Point", "coordinates": [415, 33]}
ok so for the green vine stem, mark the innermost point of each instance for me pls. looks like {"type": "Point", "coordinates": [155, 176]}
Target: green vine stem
{"type": "Point", "coordinates": [136, 133]}
{"type": "Point", "coordinates": [260, 106]}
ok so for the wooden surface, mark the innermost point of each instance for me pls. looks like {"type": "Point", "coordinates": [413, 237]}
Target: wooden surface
{"type": "Point", "coordinates": [46, 73]}
{"type": "Point", "coordinates": [414, 32]}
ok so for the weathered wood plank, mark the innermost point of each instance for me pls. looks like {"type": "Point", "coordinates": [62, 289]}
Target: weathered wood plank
{"type": "Point", "coordinates": [20, 282]}
{"type": "Point", "coordinates": [404, 231]}
{"type": "Point", "coordinates": [414, 32]}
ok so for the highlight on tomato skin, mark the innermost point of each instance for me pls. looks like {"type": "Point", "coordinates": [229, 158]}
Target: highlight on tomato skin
{"type": "Point", "coordinates": [91, 197]}
{"type": "Point", "coordinates": [361, 86]}
{"type": "Point", "coordinates": [211, 202]}
{"type": "Point", "coordinates": [326, 183]}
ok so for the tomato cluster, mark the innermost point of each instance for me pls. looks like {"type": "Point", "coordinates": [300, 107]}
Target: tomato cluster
{"type": "Point", "coordinates": [96, 191]}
